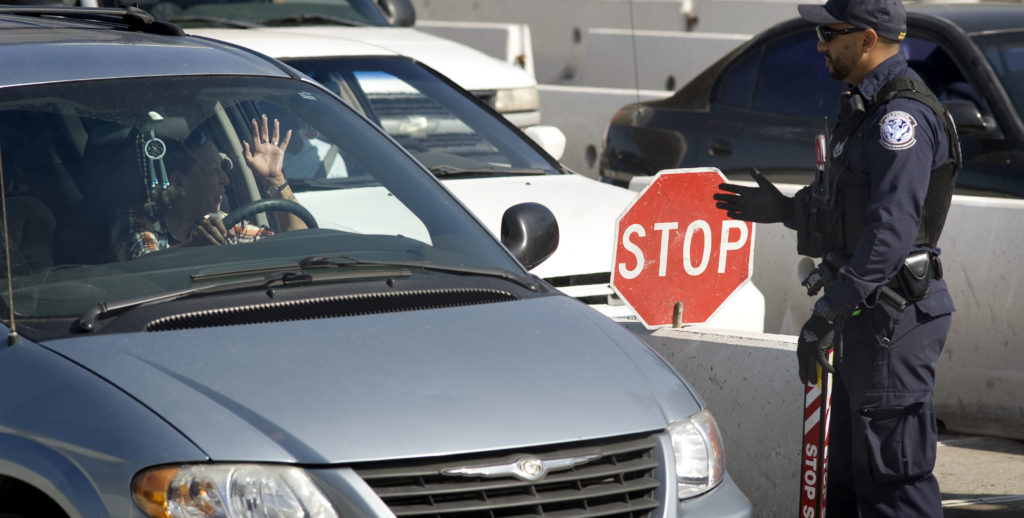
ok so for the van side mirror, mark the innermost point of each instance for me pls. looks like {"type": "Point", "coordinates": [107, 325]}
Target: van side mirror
{"type": "Point", "coordinates": [549, 138]}
{"type": "Point", "coordinates": [530, 232]}
{"type": "Point", "coordinates": [967, 117]}
{"type": "Point", "coordinates": [399, 13]}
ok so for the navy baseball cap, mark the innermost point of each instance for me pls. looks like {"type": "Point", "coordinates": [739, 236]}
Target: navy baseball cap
{"type": "Point", "coordinates": [887, 17]}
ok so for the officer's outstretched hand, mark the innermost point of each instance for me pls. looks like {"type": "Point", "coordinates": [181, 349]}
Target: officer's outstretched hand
{"type": "Point", "coordinates": [812, 348]}
{"type": "Point", "coordinates": [761, 204]}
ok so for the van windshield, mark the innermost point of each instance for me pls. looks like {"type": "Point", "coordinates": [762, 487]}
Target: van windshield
{"type": "Point", "coordinates": [109, 188]}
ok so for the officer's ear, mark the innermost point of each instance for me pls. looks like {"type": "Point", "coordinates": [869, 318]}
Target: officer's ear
{"type": "Point", "coordinates": [869, 38]}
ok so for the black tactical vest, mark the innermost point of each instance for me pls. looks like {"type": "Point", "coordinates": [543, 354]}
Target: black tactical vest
{"type": "Point", "coordinates": [831, 209]}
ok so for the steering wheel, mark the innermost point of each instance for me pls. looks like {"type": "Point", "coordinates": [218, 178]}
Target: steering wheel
{"type": "Point", "coordinates": [267, 205]}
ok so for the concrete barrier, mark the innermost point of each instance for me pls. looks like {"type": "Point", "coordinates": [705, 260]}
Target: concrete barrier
{"type": "Point", "coordinates": [583, 113]}
{"type": "Point", "coordinates": [509, 42]}
{"type": "Point", "coordinates": [749, 382]}
{"type": "Point", "coordinates": [559, 27]}
{"type": "Point", "coordinates": [651, 60]}
{"type": "Point", "coordinates": [744, 16]}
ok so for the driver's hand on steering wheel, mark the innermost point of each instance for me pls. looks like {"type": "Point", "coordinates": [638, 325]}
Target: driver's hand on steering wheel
{"type": "Point", "coordinates": [209, 230]}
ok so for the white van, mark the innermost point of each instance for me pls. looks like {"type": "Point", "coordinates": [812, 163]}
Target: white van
{"type": "Point", "coordinates": [510, 90]}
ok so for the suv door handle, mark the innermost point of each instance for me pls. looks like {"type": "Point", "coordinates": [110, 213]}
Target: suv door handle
{"type": "Point", "coordinates": [719, 147]}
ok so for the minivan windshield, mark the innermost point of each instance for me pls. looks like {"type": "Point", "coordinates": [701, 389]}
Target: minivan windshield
{"type": "Point", "coordinates": [279, 13]}
{"type": "Point", "coordinates": [109, 186]}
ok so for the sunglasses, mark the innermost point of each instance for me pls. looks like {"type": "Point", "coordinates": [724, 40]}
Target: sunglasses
{"type": "Point", "coordinates": [825, 34]}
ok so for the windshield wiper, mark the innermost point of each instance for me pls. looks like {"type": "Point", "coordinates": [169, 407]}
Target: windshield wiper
{"type": "Point", "coordinates": [447, 171]}
{"type": "Point", "coordinates": [87, 320]}
{"type": "Point", "coordinates": [213, 21]}
{"type": "Point", "coordinates": [275, 276]}
{"type": "Point", "coordinates": [310, 19]}
{"type": "Point", "coordinates": [344, 261]}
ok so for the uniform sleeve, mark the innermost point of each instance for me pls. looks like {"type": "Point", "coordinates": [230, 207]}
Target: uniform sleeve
{"type": "Point", "coordinates": [900, 150]}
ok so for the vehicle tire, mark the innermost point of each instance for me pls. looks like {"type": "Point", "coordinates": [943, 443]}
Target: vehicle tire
{"type": "Point", "coordinates": [399, 13]}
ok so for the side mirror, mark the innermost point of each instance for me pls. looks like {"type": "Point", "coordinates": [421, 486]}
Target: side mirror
{"type": "Point", "coordinates": [550, 138]}
{"type": "Point", "coordinates": [399, 13]}
{"type": "Point", "coordinates": [530, 232]}
{"type": "Point", "coordinates": [967, 117]}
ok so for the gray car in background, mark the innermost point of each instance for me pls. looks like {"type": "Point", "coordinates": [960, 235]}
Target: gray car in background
{"type": "Point", "coordinates": [407, 364]}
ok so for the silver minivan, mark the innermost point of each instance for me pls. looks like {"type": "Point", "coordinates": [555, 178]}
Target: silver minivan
{"type": "Point", "coordinates": [189, 336]}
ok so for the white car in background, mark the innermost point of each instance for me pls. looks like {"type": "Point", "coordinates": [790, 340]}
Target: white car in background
{"type": "Point", "coordinates": [510, 90]}
{"type": "Point", "coordinates": [482, 158]}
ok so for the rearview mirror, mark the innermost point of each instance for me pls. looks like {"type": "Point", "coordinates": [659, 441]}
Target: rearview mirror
{"type": "Point", "coordinates": [530, 232]}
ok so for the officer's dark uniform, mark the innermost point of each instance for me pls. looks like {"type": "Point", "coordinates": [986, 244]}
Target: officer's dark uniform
{"type": "Point", "coordinates": [883, 429]}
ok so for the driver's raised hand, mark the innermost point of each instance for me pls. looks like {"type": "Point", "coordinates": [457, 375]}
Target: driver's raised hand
{"type": "Point", "coordinates": [265, 155]}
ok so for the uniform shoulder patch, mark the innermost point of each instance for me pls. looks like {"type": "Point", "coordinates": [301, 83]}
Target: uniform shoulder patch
{"type": "Point", "coordinates": [897, 129]}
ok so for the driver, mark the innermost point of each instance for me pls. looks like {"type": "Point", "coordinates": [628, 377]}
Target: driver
{"type": "Point", "coordinates": [188, 211]}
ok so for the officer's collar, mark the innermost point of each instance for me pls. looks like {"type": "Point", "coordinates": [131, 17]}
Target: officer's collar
{"type": "Point", "coordinates": [895, 66]}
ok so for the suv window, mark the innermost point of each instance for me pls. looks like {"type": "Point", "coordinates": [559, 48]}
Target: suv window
{"type": "Point", "coordinates": [790, 77]}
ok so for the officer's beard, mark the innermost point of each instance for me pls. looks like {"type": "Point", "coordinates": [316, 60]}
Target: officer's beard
{"type": "Point", "coordinates": [838, 69]}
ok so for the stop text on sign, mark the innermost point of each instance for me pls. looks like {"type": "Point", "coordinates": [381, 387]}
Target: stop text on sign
{"type": "Point", "coordinates": [677, 257]}
{"type": "Point", "coordinates": [697, 232]}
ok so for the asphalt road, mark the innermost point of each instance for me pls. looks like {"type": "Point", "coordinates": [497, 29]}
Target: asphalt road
{"type": "Point", "coordinates": [980, 477]}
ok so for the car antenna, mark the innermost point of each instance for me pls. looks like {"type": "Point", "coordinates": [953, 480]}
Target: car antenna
{"type": "Point", "coordinates": [636, 66]}
{"type": "Point", "coordinates": [12, 337]}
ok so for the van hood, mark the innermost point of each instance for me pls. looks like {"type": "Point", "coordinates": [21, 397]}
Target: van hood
{"type": "Point", "coordinates": [403, 385]}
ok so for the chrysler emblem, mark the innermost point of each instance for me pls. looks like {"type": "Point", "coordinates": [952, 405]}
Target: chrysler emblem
{"type": "Point", "coordinates": [526, 468]}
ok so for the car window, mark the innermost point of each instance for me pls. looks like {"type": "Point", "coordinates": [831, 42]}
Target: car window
{"type": "Point", "coordinates": [442, 126]}
{"type": "Point", "coordinates": [737, 84]}
{"type": "Point", "coordinates": [939, 70]}
{"type": "Point", "coordinates": [1005, 52]}
{"type": "Point", "coordinates": [793, 80]}
{"type": "Point", "coordinates": [107, 181]}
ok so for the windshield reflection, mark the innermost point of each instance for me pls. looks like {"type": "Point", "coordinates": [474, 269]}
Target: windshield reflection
{"type": "Point", "coordinates": [122, 189]}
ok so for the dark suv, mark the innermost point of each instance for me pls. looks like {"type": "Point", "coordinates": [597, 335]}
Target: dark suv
{"type": "Point", "coordinates": [762, 104]}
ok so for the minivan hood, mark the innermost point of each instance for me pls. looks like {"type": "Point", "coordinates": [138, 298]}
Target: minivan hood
{"type": "Point", "coordinates": [401, 385]}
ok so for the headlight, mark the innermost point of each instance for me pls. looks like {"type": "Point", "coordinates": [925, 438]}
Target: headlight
{"type": "Point", "coordinates": [229, 490]}
{"type": "Point", "coordinates": [517, 100]}
{"type": "Point", "coordinates": [700, 457]}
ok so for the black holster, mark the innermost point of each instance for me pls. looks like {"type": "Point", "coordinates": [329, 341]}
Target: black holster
{"type": "Point", "coordinates": [914, 277]}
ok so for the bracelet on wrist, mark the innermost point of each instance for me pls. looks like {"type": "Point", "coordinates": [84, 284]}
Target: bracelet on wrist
{"type": "Point", "coordinates": [275, 191]}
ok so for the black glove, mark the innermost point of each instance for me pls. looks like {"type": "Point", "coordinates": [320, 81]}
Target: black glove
{"type": "Point", "coordinates": [812, 347]}
{"type": "Point", "coordinates": [761, 204]}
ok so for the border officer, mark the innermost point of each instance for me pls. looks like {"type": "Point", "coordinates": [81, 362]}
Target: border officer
{"type": "Point", "coordinates": [874, 214]}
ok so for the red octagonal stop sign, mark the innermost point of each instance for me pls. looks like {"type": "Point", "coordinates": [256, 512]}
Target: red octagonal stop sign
{"type": "Point", "coordinates": [673, 246]}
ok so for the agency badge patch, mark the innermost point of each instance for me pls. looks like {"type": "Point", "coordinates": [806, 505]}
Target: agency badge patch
{"type": "Point", "coordinates": [898, 130]}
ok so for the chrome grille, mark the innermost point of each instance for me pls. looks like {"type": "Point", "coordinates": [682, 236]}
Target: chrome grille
{"type": "Point", "coordinates": [620, 482]}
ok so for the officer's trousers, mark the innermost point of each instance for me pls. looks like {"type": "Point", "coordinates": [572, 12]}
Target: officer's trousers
{"type": "Point", "coordinates": [883, 429]}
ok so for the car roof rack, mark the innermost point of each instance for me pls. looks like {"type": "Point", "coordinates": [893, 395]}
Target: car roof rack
{"type": "Point", "coordinates": [130, 17]}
